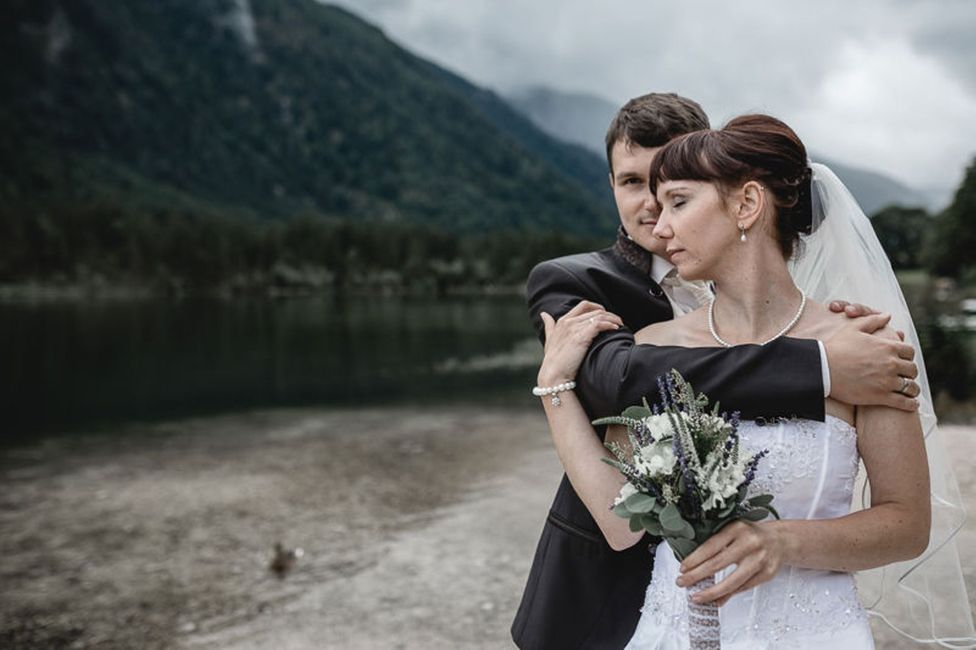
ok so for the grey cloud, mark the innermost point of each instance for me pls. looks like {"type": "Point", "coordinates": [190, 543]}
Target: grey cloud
{"type": "Point", "coordinates": [955, 44]}
{"type": "Point", "coordinates": [731, 57]}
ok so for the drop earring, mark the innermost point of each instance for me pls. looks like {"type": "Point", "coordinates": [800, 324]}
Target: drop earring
{"type": "Point", "coordinates": [742, 233]}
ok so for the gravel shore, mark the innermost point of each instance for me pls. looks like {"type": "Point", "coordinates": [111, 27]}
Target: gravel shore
{"type": "Point", "coordinates": [418, 527]}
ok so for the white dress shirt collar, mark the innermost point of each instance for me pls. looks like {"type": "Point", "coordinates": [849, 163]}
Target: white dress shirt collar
{"type": "Point", "coordinates": [660, 267]}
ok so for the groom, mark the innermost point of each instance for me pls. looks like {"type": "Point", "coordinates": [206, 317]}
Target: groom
{"type": "Point", "coordinates": [580, 593]}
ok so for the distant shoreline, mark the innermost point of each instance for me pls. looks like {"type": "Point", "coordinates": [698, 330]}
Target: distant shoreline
{"type": "Point", "coordinates": [48, 291]}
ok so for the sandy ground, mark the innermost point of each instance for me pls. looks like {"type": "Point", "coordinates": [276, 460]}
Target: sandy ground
{"type": "Point", "coordinates": [418, 529]}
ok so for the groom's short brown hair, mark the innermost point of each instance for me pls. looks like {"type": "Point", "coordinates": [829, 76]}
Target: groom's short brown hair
{"type": "Point", "coordinates": [653, 120]}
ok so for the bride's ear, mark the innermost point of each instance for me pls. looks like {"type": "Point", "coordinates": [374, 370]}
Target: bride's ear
{"type": "Point", "coordinates": [751, 204]}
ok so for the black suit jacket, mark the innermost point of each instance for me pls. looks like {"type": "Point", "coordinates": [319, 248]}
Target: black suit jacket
{"type": "Point", "coordinates": [580, 592]}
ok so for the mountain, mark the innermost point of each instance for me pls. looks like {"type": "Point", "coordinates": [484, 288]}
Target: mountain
{"type": "Point", "coordinates": [579, 118]}
{"type": "Point", "coordinates": [583, 119]}
{"type": "Point", "coordinates": [874, 190]}
{"type": "Point", "coordinates": [266, 109]}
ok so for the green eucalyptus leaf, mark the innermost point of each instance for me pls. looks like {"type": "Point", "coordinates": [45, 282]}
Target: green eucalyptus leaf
{"type": "Point", "coordinates": [671, 519]}
{"type": "Point", "coordinates": [687, 531]}
{"type": "Point", "coordinates": [673, 527]}
{"type": "Point", "coordinates": [682, 547]}
{"type": "Point", "coordinates": [761, 501]}
{"type": "Point", "coordinates": [636, 412]}
{"type": "Point", "coordinates": [652, 525]}
{"type": "Point", "coordinates": [704, 529]}
{"type": "Point", "coordinates": [614, 462]}
{"type": "Point", "coordinates": [773, 511]}
{"type": "Point", "coordinates": [755, 514]}
{"type": "Point", "coordinates": [621, 510]}
{"type": "Point", "coordinates": [742, 493]}
{"type": "Point", "coordinates": [719, 525]}
{"type": "Point", "coordinates": [639, 503]}
{"type": "Point", "coordinates": [669, 511]}
{"type": "Point", "coordinates": [636, 523]}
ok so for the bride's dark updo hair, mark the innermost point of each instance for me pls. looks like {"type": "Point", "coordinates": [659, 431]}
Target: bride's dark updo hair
{"type": "Point", "coordinates": [750, 147]}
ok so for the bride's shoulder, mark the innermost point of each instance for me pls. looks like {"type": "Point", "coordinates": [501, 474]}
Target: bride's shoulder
{"type": "Point", "coordinates": [690, 330]}
{"type": "Point", "coordinates": [819, 322]}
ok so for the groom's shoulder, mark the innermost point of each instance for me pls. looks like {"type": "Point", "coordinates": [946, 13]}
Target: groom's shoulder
{"type": "Point", "coordinates": [578, 265]}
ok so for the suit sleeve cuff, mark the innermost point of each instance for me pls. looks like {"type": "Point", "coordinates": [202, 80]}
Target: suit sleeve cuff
{"type": "Point", "coordinates": [824, 368]}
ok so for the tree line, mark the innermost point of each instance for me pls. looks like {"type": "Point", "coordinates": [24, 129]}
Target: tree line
{"type": "Point", "coordinates": [199, 252]}
{"type": "Point", "coordinates": [943, 243]}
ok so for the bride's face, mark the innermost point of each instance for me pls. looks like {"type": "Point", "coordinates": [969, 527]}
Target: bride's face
{"type": "Point", "coordinates": [696, 226]}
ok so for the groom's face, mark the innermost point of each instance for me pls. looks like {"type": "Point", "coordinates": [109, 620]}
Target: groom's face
{"type": "Point", "coordinates": [636, 205]}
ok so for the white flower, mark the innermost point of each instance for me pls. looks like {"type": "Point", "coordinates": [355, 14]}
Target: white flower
{"type": "Point", "coordinates": [626, 490]}
{"type": "Point", "coordinates": [655, 460]}
{"type": "Point", "coordinates": [721, 481]}
{"type": "Point", "coordinates": [659, 426]}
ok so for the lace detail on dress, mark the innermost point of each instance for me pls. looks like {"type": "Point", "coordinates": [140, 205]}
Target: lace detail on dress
{"type": "Point", "coordinates": [798, 455]}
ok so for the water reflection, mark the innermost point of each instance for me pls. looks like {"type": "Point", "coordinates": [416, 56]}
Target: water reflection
{"type": "Point", "coordinates": [72, 365]}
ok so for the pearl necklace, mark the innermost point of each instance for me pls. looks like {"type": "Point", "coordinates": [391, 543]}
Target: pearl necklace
{"type": "Point", "coordinates": [789, 326]}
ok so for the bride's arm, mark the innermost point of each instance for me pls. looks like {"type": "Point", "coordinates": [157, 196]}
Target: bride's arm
{"type": "Point", "coordinates": [577, 444]}
{"type": "Point", "coordinates": [597, 483]}
{"type": "Point", "coordinates": [896, 526]}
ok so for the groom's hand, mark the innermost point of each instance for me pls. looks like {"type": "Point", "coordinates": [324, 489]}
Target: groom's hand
{"type": "Point", "coordinates": [568, 339]}
{"type": "Point", "coordinates": [856, 310]}
{"type": "Point", "coordinates": [851, 309]}
{"type": "Point", "coordinates": [872, 369]}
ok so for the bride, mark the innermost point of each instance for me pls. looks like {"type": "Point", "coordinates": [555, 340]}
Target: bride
{"type": "Point", "coordinates": [734, 205]}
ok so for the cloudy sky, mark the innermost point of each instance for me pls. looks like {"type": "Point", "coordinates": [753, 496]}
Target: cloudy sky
{"type": "Point", "coordinates": [884, 84]}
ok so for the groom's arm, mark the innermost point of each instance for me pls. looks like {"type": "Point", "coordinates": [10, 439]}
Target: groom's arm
{"type": "Point", "coordinates": [617, 373]}
{"type": "Point", "coordinates": [780, 379]}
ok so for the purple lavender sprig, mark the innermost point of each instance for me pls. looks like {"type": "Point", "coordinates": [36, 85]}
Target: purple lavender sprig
{"type": "Point", "coordinates": [752, 466]}
{"type": "Point", "coordinates": [731, 449]}
{"type": "Point", "coordinates": [662, 389]}
{"type": "Point", "coordinates": [682, 442]}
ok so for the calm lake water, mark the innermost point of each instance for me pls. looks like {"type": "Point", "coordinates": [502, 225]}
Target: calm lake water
{"type": "Point", "coordinates": [74, 366]}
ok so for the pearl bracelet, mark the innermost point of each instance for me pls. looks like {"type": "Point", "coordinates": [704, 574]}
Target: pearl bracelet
{"type": "Point", "coordinates": [540, 391]}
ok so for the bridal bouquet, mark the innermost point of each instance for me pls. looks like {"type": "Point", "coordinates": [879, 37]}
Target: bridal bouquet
{"type": "Point", "coordinates": [686, 479]}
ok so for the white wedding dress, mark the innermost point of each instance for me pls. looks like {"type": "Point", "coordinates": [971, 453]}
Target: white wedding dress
{"type": "Point", "coordinates": [810, 471]}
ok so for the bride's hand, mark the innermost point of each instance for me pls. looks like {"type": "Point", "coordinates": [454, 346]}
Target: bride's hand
{"type": "Point", "coordinates": [568, 339]}
{"type": "Point", "coordinates": [756, 549]}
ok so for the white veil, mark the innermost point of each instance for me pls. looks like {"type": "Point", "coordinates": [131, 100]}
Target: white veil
{"type": "Point", "coordinates": [923, 599]}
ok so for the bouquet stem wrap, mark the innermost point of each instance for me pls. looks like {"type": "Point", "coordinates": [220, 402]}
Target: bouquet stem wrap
{"type": "Point", "coordinates": [703, 624]}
